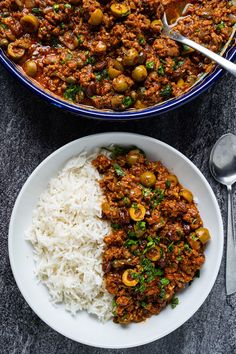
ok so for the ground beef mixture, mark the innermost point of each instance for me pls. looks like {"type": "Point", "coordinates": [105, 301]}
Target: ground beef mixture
{"type": "Point", "coordinates": [157, 244]}
{"type": "Point", "coordinates": [112, 54]}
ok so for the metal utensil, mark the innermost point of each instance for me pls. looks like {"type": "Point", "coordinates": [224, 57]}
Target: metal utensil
{"type": "Point", "coordinates": [223, 168]}
{"type": "Point", "coordinates": [168, 31]}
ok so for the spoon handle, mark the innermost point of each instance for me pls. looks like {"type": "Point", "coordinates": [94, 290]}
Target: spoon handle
{"type": "Point", "coordinates": [226, 64]}
{"type": "Point", "coordinates": [231, 248]}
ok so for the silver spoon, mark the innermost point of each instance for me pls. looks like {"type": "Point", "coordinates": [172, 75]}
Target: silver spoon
{"type": "Point", "coordinates": [168, 31]}
{"type": "Point", "coordinates": [223, 168]}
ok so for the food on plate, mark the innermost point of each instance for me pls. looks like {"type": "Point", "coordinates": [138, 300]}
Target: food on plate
{"type": "Point", "coordinates": [156, 247]}
{"type": "Point", "coordinates": [116, 234]}
{"type": "Point", "coordinates": [67, 235]}
{"type": "Point", "coordinates": [112, 54]}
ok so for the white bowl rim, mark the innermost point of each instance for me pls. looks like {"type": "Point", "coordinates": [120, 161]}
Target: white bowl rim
{"type": "Point", "coordinates": [211, 281]}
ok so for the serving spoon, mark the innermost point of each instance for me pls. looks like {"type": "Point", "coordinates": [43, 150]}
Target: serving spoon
{"type": "Point", "coordinates": [168, 31]}
{"type": "Point", "coordinates": [222, 165]}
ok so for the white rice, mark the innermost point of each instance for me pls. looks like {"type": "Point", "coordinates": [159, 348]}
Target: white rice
{"type": "Point", "coordinates": [67, 235]}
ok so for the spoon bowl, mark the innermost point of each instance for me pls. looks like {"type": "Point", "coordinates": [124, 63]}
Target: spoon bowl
{"type": "Point", "coordinates": [223, 160]}
{"type": "Point", "coordinates": [222, 165]}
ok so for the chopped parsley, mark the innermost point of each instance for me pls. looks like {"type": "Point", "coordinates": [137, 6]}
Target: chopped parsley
{"type": "Point", "coordinates": [166, 91]}
{"type": "Point", "coordinates": [157, 198]}
{"type": "Point", "coordinates": [131, 234]}
{"type": "Point", "coordinates": [90, 60]}
{"type": "Point", "coordinates": [115, 226]}
{"type": "Point", "coordinates": [127, 101]}
{"type": "Point", "coordinates": [167, 184]}
{"type": "Point", "coordinates": [147, 275]}
{"type": "Point", "coordinates": [220, 26]}
{"type": "Point", "coordinates": [187, 248]}
{"type": "Point", "coordinates": [129, 243]}
{"type": "Point", "coordinates": [164, 281]}
{"type": "Point", "coordinates": [171, 247]}
{"type": "Point", "coordinates": [56, 7]}
{"type": "Point", "coordinates": [174, 302]}
{"type": "Point", "coordinates": [141, 225]}
{"type": "Point", "coordinates": [150, 65]}
{"type": "Point", "coordinates": [98, 76]}
{"type": "Point", "coordinates": [71, 92]}
{"type": "Point", "coordinates": [118, 170]}
{"type": "Point", "coordinates": [141, 40]}
{"type": "Point", "coordinates": [177, 64]}
{"type": "Point", "coordinates": [68, 6]}
{"type": "Point", "coordinates": [197, 274]}
{"type": "Point", "coordinates": [194, 237]}
{"type": "Point", "coordinates": [146, 191]}
{"type": "Point", "coordinates": [3, 25]}
{"type": "Point", "coordinates": [161, 70]}
{"type": "Point", "coordinates": [80, 38]}
{"type": "Point", "coordinates": [36, 10]}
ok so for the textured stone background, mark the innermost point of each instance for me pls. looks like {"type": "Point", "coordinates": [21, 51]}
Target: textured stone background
{"type": "Point", "coordinates": [29, 131]}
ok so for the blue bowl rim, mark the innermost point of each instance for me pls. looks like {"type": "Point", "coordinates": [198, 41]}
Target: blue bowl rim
{"type": "Point", "coordinates": [171, 104]}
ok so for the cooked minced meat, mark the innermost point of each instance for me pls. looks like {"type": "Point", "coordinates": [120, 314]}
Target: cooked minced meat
{"type": "Point", "coordinates": [112, 54]}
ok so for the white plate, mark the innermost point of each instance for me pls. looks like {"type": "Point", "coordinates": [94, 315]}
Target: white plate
{"type": "Point", "coordinates": [84, 328]}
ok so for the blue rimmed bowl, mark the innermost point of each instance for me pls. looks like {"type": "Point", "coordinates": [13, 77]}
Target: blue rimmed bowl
{"type": "Point", "coordinates": [200, 86]}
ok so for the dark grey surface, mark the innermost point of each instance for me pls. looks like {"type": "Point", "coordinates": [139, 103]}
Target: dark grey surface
{"type": "Point", "coordinates": [29, 131]}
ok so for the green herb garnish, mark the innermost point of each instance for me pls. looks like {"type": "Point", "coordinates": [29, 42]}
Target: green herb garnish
{"type": "Point", "coordinates": [118, 170]}
{"type": "Point", "coordinates": [36, 10]}
{"type": "Point", "coordinates": [141, 40]}
{"type": "Point", "coordinates": [129, 243]}
{"type": "Point", "coordinates": [141, 225]}
{"type": "Point", "coordinates": [164, 281]}
{"type": "Point", "coordinates": [56, 7]}
{"type": "Point", "coordinates": [150, 65]}
{"type": "Point", "coordinates": [168, 183]}
{"type": "Point", "coordinates": [127, 101]}
{"type": "Point", "coordinates": [174, 302]}
{"type": "Point", "coordinates": [187, 248]}
{"type": "Point", "coordinates": [90, 60]}
{"type": "Point", "coordinates": [146, 191]}
{"type": "Point", "coordinates": [116, 226]}
{"type": "Point", "coordinates": [71, 92]}
{"type": "Point", "coordinates": [166, 91]}
{"type": "Point", "coordinates": [161, 70]}
{"type": "Point", "coordinates": [220, 26]}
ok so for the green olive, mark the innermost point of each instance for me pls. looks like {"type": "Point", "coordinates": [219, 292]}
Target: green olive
{"type": "Point", "coordinates": [186, 194]}
{"type": "Point", "coordinates": [173, 179]}
{"type": "Point", "coordinates": [203, 234]}
{"type": "Point", "coordinates": [117, 65]}
{"type": "Point", "coordinates": [71, 80]}
{"type": "Point", "coordinates": [100, 47]}
{"type": "Point", "coordinates": [30, 68]}
{"type": "Point", "coordinates": [16, 53]}
{"type": "Point", "coordinates": [119, 10]}
{"type": "Point", "coordinates": [112, 72]}
{"type": "Point", "coordinates": [29, 23]}
{"type": "Point", "coordinates": [96, 17]}
{"type": "Point", "coordinates": [120, 84]}
{"type": "Point", "coordinates": [133, 157]}
{"type": "Point", "coordinates": [134, 95]}
{"type": "Point", "coordinates": [139, 104]}
{"type": "Point", "coordinates": [116, 102]}
{"type": "Point", "coordinates": [157, 25]}
{"type": "Point", "coordinates": [154, 254]}
{"type": "Point", "coordinates": [148, 179]}
{"type": "Point", "coordinates": [131, 57]}
{"type": "Point", "coordinates": [139, 73]}
{"type": "Point", "coordinates": [4, 42]}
